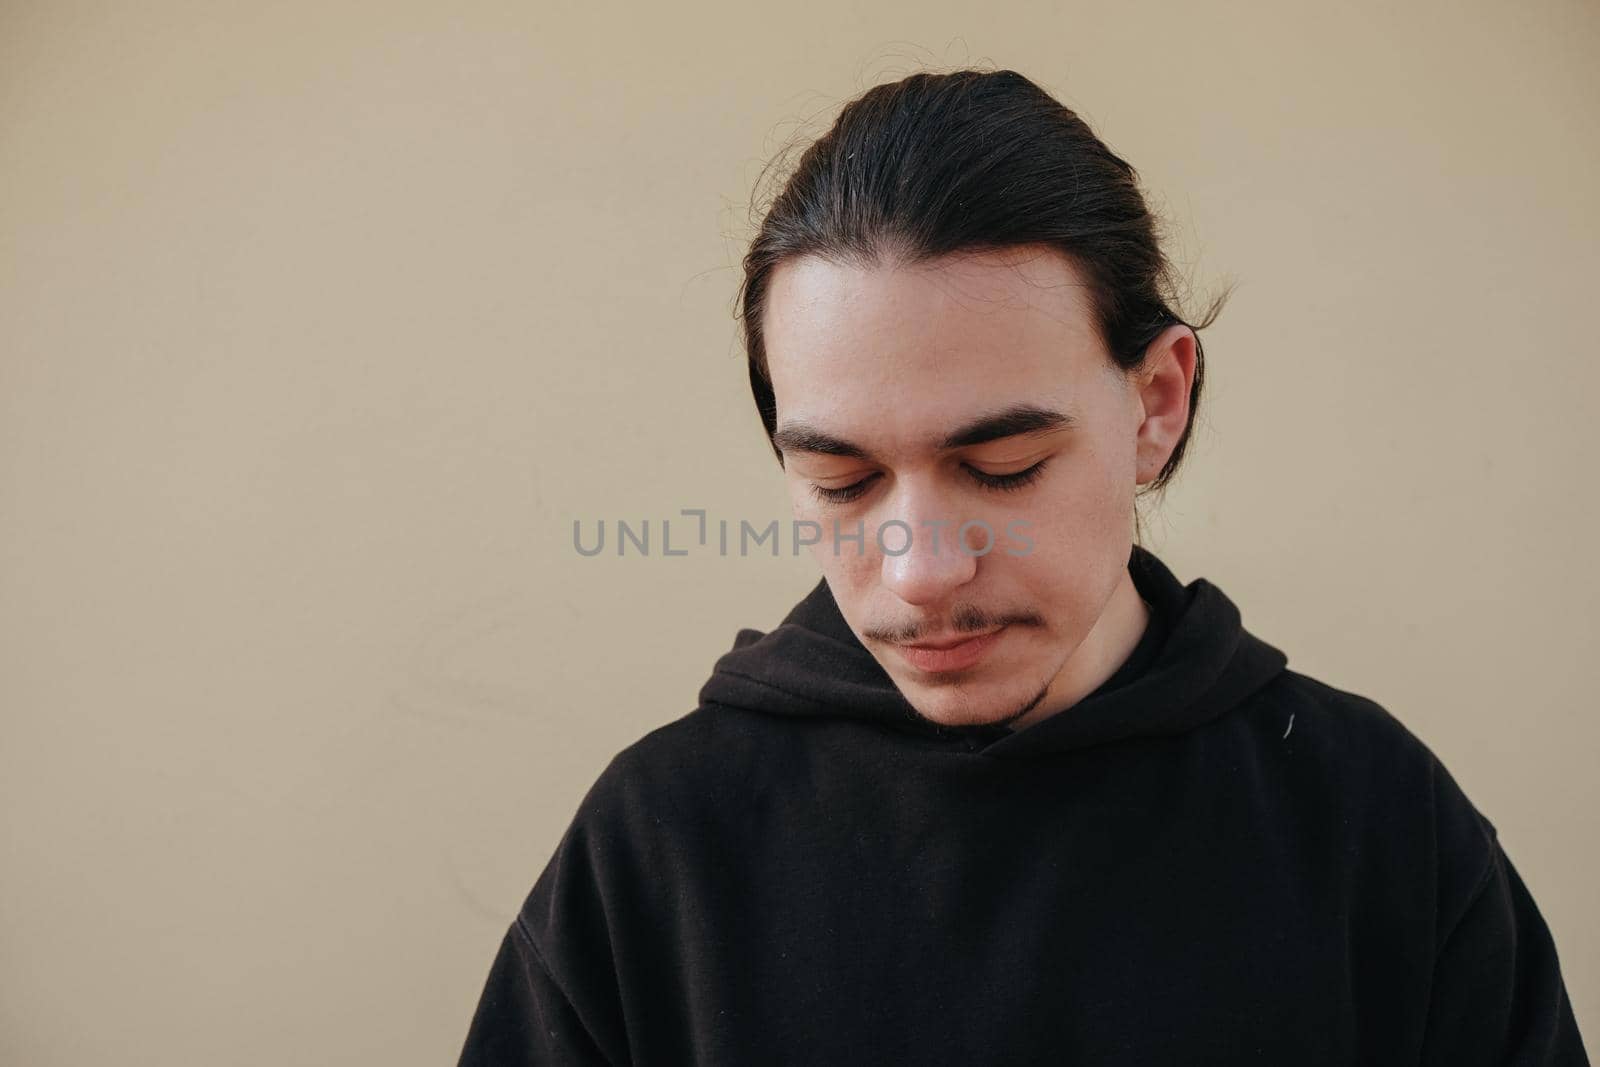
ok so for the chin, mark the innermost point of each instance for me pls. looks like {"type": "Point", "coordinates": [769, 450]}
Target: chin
{"type": "Point", "coordinates": [969, 705]}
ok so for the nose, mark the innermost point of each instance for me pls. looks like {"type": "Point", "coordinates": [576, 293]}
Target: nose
{"type": "Point", "coordinates": [934, 565]}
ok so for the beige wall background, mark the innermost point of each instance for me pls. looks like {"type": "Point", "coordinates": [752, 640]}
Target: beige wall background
{"type": "Point", "coordinates": [320, 324]}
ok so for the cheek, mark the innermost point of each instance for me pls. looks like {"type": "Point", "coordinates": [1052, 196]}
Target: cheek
{"type": "Point", "coordinates": [805, 508]}
{"type": "Point", "coordinates": [1085, 515]}
{"type": "Point", "coordinates": [850, 567]}
{"type": "Point", "coordinates": [1102, 485]}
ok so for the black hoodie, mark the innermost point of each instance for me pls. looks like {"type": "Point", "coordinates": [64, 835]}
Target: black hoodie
{"type": "Point", "coordinates": [1211, 859]}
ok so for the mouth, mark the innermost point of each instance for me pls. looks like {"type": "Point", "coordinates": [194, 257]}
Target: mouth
{"type": "Point", "coordinates": [950, 654]}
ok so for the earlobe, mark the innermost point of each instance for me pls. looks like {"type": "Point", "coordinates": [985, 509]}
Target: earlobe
{"type": "Point", "coordinates": [1145, 468]}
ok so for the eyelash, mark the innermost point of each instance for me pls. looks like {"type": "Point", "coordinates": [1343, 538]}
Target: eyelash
{"type": "Point", "coordinates": [1000, 482]}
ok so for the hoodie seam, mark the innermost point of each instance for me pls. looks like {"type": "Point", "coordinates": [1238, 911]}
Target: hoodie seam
{"type": "Point", "coordinates": [520, 927]}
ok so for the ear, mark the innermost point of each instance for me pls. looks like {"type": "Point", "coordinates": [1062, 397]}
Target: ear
{"type": "Point", "coordinates": [1162, 385]}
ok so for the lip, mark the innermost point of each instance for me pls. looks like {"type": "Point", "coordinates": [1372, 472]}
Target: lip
{"type": "Point", "coordinates": [947, 656]}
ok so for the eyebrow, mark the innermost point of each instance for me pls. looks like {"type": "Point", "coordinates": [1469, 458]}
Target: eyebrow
{"type": "Point", "coordinates": [1008, 422]}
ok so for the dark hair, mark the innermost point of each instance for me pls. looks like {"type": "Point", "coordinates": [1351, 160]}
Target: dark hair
{"type": "Point", "coordinates": [967, 161]}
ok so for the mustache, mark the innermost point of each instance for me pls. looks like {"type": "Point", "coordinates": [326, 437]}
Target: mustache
{"type": "Point", "coordinates": [966, 618]}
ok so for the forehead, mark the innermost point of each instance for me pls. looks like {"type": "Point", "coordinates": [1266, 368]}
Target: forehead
{"type": "Point", "coordinates": [899, 353]}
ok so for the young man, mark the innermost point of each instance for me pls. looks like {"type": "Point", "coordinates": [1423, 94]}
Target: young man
{"type": "Point", "coordinates": [1001, 789]}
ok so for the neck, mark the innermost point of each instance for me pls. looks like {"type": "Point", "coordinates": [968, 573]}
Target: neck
{"type": "Point", "coordinates": [1106, 647]}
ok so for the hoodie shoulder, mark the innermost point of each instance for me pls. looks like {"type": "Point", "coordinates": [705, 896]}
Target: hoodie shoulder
{"type": "Point", "coordinates": [701, 755]}
{"type": "Point", "coordinates": [1341, 725]}
{"type": "Point", "coordinates": [642, 791]}
{"type": "Point", "coordinates": [1347, 730]}
{"type": "Point", "coordinates": [1389, 775]}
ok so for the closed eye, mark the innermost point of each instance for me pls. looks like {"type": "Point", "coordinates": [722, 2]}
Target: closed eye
{"type": "Point", "coordinates": [1003, 482]}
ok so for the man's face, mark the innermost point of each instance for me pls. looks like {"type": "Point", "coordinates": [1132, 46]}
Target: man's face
{"type": "Point", "coordinates": [878, 375]}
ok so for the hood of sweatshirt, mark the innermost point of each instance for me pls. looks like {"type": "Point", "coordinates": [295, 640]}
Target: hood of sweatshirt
{"type": "Point", "coordinates": [1200, 664]}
